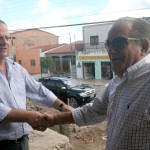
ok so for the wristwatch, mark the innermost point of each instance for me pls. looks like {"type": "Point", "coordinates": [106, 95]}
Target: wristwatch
{"type": "Point", "coordinates": [60, 106]}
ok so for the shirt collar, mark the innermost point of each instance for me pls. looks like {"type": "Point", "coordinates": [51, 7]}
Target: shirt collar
{"type": "Point", "coordinates": [8, 60]}
{"type": "Point", "coordinates": [133, 70]}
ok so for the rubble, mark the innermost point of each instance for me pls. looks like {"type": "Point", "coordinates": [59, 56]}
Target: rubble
{"type": "Point", "coordinates": [73, 138]}
{"type": "Point", "coordinates": [48, 140]}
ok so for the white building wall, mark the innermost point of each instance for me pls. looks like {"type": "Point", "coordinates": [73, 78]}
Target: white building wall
{"type": "Point", "coordinates": [93, 54]}
{"type": "Point", "coordinates": [79, 69]}
{"type": "Point", "coordinates": [100, 29]}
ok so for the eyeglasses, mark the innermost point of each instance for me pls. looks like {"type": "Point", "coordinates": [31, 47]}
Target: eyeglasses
{"type": "Point", "coordinates": [118, 43]}
{"type": "Point", "coordinates": [7, 38]}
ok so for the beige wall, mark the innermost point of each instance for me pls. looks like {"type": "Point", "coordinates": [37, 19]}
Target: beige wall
{"type": "Point", "coordinates": [24, 43]}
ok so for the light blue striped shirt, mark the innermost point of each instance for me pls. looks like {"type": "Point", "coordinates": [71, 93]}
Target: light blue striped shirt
{"type": "Point", "coordinates": [14, 89]}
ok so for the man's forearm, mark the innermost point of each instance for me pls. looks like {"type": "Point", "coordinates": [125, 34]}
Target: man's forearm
{"type": "Point", "coordinates": [59, 118]}
{"type": "Point", "coordinates": [16, 115]}
{"type": "Point", "coordinates": [32, 118]}
{"type": "Point", "coordinates": [63, 108]}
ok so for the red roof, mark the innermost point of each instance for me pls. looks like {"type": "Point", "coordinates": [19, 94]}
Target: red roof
{"type": "Point", "coordinates": [47, 47]}
{"type": "Point", "coordinates": [67, 48]}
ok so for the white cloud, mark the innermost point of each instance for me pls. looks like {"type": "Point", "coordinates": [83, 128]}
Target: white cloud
{"type": "Point", "coordinates": [116, 9]}
{"type": "Point", "coordinates": [43, 6]}
{"type": "Point", "coordinates": [50, 19]}
{"type": "Point", "coordinates": [54, 16]}
{"type": "Point", "coordinates": [79, 11]}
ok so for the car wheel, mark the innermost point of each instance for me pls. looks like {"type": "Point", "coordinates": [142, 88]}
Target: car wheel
{"type": "Point", "coordinates": [73, 102]}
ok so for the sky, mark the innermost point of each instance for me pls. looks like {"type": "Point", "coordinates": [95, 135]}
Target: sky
{"type": "Point", "coordinates": [49, 13]}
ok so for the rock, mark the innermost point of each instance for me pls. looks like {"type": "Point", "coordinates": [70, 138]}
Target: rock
{"type": "Point", "coordinates": [48, 140]}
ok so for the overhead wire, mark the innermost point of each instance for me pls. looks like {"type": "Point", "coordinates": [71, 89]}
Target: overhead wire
{"type": "Point", "coordinates": [77, 24]}
{"type": "Point", "coordinates": [67, 25]}
{"type": "Point", "coordinates": [18, 6]}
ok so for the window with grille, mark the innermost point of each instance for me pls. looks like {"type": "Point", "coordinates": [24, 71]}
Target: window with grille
{"type": "Point", "coordinates": [19, 61]}
{"type": "Point", "coordinates": [94, 40]}
{"type": "Point", "coordinates": [32, 62]}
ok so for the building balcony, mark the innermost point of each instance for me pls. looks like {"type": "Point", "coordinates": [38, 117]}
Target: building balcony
{"type": "Point", "coordinates": [91, 49]}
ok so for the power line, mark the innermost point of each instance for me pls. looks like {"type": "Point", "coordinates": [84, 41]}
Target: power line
{"type": "Point", "coordinates": [68, 25]}
{"type": "Point", "coordinates": [29, 6]}
{"type": "Point", "coordinates": [84, 16]}
{"type": "Point", "coordinates": [110, 12]}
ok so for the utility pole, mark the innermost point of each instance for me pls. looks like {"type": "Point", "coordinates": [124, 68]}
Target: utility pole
{"type": "Point", "coordinates": [71, 54]}
{"type": "Point", "coordinates": [71, 49]}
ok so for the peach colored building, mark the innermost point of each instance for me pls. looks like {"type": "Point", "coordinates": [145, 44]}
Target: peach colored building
{"type": "Point", "coordinates": [23, 51]}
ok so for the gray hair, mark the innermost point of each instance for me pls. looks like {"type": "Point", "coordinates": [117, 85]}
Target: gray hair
{"type": "Point", "coordinates": [140, 27]}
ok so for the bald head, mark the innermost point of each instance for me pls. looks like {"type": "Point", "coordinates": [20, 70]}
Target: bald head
{"type": "Point", "coordinates": [139, 28]}
{"type": "Point", "coordinates": [133, 28]}
{"type": "Point", "coordinates": [2, 22]}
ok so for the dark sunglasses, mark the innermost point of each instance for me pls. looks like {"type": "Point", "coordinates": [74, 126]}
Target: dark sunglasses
{"type": "Point", "coordinates": [5, 38]}
{"type": "Point", "coordinates": [118, 43]}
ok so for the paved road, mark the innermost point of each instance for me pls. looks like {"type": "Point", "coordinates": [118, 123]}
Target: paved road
{"type": "Point", "coordinates": [98, 85]}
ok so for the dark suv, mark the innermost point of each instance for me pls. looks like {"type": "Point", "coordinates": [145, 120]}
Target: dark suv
{"type": "Point", "coordinates": [69, 90]}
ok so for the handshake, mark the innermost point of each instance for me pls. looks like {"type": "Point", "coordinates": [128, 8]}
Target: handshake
{"type": "Point", "coordinates": [41, 122]}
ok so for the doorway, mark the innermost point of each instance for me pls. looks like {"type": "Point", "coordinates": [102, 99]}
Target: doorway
{"type": "Point", "coordinates": [106, 71]}
{"type": "Point", "coordinates": [89, 70]}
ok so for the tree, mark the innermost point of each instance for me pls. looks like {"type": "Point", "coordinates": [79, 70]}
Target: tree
{"type": "Point", "coordinates": [46, 63]}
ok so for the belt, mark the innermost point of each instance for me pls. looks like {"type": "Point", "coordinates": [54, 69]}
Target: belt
{"type": "Point", "coordinates": [13, 141]}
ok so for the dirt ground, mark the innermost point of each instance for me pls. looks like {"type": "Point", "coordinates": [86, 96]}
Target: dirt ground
{"type": "Point", "coordinates": [82, 138]}
{"type": "Point", "coordinates": [89, 138]}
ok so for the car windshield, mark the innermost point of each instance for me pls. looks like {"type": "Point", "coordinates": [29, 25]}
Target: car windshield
{"type": "Point", "coordinates": [72, 83]}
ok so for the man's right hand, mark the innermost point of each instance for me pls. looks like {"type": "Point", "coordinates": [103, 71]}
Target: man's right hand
{"type": "Point", "coordinates": [36, 120]}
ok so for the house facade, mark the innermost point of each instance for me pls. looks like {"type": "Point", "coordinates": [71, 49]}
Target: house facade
{"type": "Point", "coordinates": [64, 57]}
{"type": "Point", "coordinates": [23, 43]}
{"type": "Point", "coordinates": [92, 60]}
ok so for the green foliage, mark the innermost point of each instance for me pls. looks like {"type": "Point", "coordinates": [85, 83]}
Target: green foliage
{"type": "Point", "coordinates": [46, 62]}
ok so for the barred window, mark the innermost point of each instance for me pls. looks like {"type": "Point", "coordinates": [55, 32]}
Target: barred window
{"type": "Point", "coordinates": [32, 62]}
{"type": "Point", "coordinates": [19, 61]}
{"type": "Point", "coordinates": [94, 40]}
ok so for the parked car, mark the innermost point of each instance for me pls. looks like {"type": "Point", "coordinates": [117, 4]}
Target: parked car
{"type": "Point", "coordinates": [69, 90]}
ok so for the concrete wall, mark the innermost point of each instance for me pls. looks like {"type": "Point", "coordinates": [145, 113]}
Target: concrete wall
{"type": "Point", "coordinates": [100, 29]}
{"type": "Point", "coordinates": [93, 54]}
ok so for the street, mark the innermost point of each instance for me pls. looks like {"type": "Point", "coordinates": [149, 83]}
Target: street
{"type": "Point", "coordinates": [98, 88]}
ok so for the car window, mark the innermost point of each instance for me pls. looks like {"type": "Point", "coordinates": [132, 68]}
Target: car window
{"type": "Point", "coordinates": [72, 83]}
{"type": "Point", "coordinates": [51, 83]}
{"type": "Point", "coordinates": [43, 81]}
{"type": "Point", "coordinates": [59, 85]}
